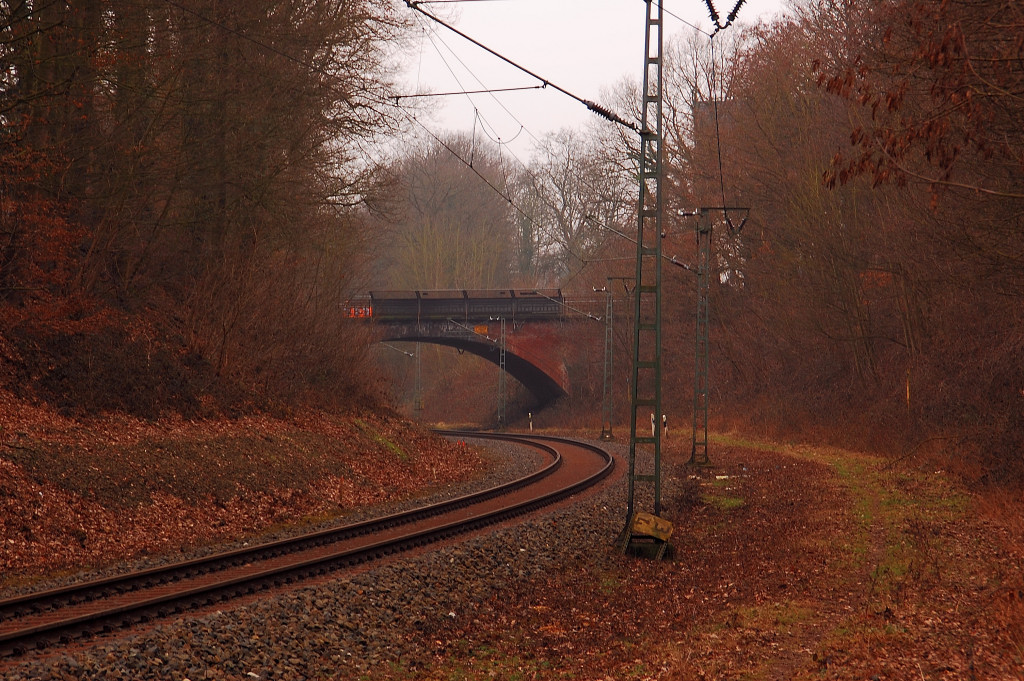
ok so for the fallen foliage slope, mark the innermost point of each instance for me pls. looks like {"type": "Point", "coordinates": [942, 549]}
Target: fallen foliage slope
{"type": "Point", "coordinates": [77, 494]}
{"type": "Point", "coordinates": [789, 563]}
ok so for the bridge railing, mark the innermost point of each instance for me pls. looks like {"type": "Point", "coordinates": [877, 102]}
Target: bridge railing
{"type": "Point", "coordinates": [473, 305]}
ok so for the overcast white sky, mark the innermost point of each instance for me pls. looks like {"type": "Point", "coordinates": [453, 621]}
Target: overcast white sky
{"type": "Point", "coordinates": [582, 46]}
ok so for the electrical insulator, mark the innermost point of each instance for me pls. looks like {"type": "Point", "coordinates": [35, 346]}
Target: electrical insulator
{"type": "Point", "coordinates": [711, 10]}
{"type": "Point", "coordinates": [735, 10]}
{"type": "Point", "coordinates": [605, 113]}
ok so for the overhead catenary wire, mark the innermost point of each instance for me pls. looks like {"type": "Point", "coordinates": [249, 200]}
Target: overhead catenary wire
{"type": "Point", "coordinates": [404, 110]}
{"type": "Point", "coordinates": [392, 347]}
{"type": "Point", "coordinates": [468, 164]}
{"type": "Point", "coordinates": [683, 21]}
{"type": "Point", "coordinates": [415, 5]}
{"type": "Point", "coordinates": [478, 117]}
{"type": "Point", "coordinates": [515, 206]}
{"type": "Point", "coordinates": [483, 91]}
{"type": "Point", "coordinates": [718, 132]}
{"type": "Point", "coordinates": [395, 101]}
{"type": "Point", "coordinates": [569, 307]}
{"type": "Point", "coordinates": [431, 36]}
{"type": "Point", "coordinates": [593, 106]}
{"type": "Point", "coordinates": [632, 126]}
{"type": "Point", "coordinates": [484, 124]}
{"type": "Point", "coordinates": [476, 78]}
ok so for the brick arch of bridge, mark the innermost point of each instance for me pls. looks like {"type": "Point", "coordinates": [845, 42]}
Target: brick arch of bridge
{"type": "Point", "coordinates": [532, 355]}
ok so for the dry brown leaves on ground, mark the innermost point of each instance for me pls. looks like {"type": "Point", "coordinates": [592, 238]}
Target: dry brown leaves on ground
{"type": "Point", "coordinates": [84, 494]}
{"type": "Point", "coordinates": [798, 563]}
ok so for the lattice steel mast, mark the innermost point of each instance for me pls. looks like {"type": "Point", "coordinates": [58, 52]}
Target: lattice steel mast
{"type": "Point", "coordinates": [645, 388]}
{"type": "Point", "coordinates": [501, 377]}
{"type": "Point", "coordinates": [701, 369]}
{"type": "Point", "coordinates": [607, 404]}
{"type": "Point", "coordinates": [418, 386]}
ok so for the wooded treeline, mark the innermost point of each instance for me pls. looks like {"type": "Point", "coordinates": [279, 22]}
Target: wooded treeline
{"type": "Point", "coordinates": [189, 192]}
{"type": "Point", "coordinates": [182, 184]}
{"type": "Point", "coordinates": [880, 147]}
{"type": "Point", "coordinates": [874, 297]}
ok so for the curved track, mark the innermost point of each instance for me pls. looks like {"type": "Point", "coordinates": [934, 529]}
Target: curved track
{"type": "Point", "coordinates": [82, 610]}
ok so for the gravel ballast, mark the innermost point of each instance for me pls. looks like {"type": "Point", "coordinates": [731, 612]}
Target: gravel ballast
{"type": "Point", "coordinates": [345, 626]}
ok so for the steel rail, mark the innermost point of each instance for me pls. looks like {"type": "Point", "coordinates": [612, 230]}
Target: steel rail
{"type": "Point", "coordinates": [53, 628]}
{"type": "Point", "coordinates": [55, 598]}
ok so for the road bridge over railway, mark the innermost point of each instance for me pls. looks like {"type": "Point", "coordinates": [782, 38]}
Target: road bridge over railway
{"type": "Point", "coordinates": [482, 322]}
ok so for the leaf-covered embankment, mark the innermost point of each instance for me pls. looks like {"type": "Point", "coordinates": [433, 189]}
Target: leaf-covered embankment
{"type": "Point", "coordinates": [77, 494]}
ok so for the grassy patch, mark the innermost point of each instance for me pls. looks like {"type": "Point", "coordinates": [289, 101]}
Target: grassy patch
{"type": "Point", "coordinates": [888, 557]}
{"type": "Point", "coordinates": [735, 440]}
{"type": "Point", "coordinates": [776, 616]}
{"type": "Point", "coordinates": [484, 662]}
{"type": "Point", "coordinates": [394, 448]}
{"type": "Point", "coordinates": [609, 584]}
{"type": "Point", "coordinates": [723, 502]}
{"type": "Point", "coordinates": [892, 551]}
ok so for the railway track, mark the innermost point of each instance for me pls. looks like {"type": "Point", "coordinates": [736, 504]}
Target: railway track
{"type": "Point", "coordinates": [80, 611]}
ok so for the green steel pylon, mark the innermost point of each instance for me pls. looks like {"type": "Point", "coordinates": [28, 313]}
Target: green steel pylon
{"type": "Point", "coordinates": [645, 387]}
{"type": "Point", "coordinates": [607, 406]}
{"type": "Point", "coordinates": [699, 453]}
{"type": "Point", "coordinates": [501, 377]}
{"type": "Point", "coordinates": [418, 385]}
